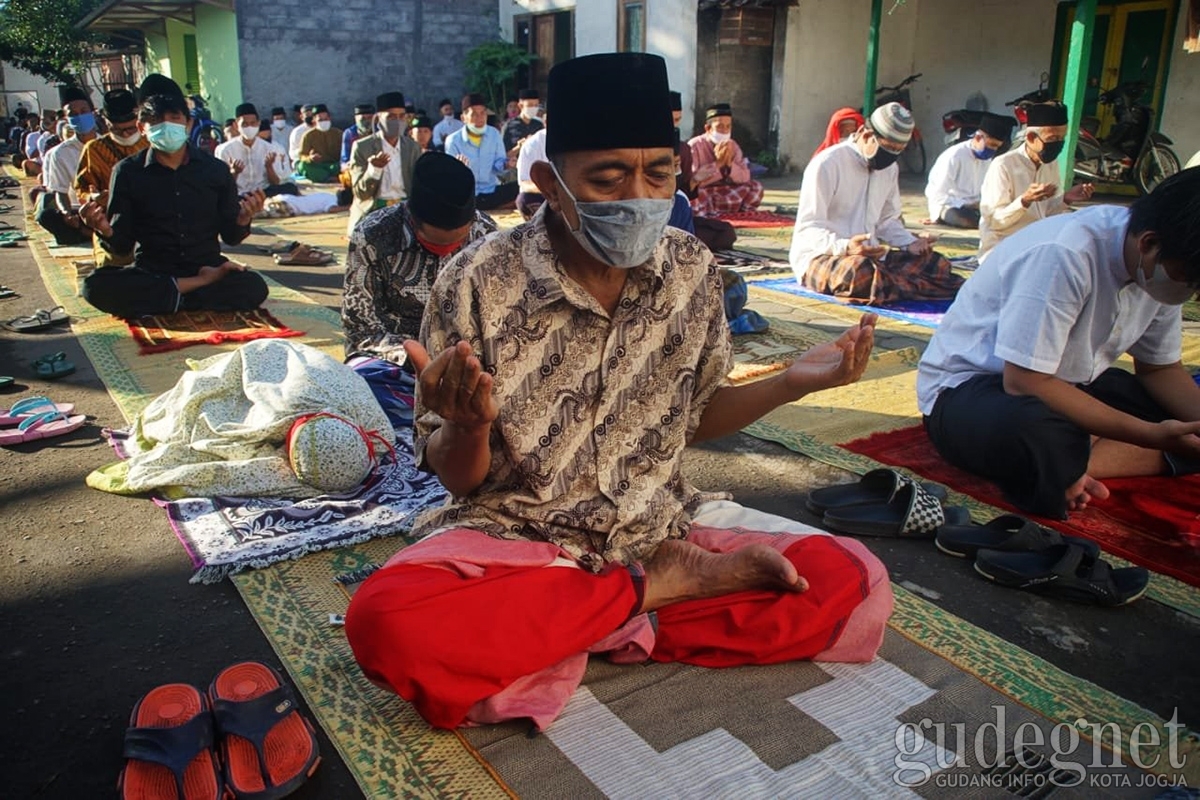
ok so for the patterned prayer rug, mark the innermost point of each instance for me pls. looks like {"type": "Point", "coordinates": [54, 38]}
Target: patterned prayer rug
{"type": "Point", "coordinates": [165, 332]}
{"type": "Point", "coordinates": [672, 730]}
{"type": "Point", "coordinates": [1154, 522]}
{"type": "Point", "coordinates": [758, 354]}
{"type": "Point", "coordinates": [926, 313]}
{"type": "Point", "coordinates": [756, 219]}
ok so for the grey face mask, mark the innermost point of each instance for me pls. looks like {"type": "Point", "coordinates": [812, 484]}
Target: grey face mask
{"type": "Point", "coordinates": [620, 233]}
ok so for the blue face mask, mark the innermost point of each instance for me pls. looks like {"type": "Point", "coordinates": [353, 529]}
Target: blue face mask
{"type": "Point", "coordinates": [167, 137]}
{"type": "Point", "coordinates": [620, 233]}
{"type": "Point", "coordinates": [82, 123]}
{"type": "Point", "coordinates": [984, 154]}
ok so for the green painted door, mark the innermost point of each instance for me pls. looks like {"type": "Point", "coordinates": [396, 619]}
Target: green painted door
{"type": "Point", "coordinates": [191, 64]}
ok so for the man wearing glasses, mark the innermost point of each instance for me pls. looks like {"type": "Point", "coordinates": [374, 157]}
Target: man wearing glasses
{"type": "Point", "coordinates": [849, 240]}
{"type": "Point", "coordinates": [1021, 186]}
{"type": "Point", "coordinates": [100, 155]}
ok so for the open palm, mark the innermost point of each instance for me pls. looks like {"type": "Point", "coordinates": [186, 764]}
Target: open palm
{"type": "Point", "coordinates": [835, 363]}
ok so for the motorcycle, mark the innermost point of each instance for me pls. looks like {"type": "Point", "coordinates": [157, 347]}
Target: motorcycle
{"type": "Point", "coordinates": [1132, 153]}
{"type": "Point", "coordinates": [962, 123]}
{"type": "Point", "coordinates": [205, 133]}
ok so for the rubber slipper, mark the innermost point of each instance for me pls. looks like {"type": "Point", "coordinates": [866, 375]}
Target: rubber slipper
{"type": "Point", "coordinates": [305, 256]}
{"type": "Point", "coordinates": [4, 208]}
{"type": "Point", "coordinates": [909, 513]}
{"type": "Point", "coordinates": [30, 406]}
{"type": "Point", "coordinates": [267, 748]}
{"type": "Point", "coordinates": [1007, 534]}
{"type": "Point", "coordinates": [7, 293]}
{"type": "Point", "coordinates": [54, 366]}
{"type": "Point", "coordinates": [169, 747]}
{"type": "Point", "coordinates": [279, 248]}
{"type": "Point", "coordinates": [5, 381]}
{"type": "Point", "coordinates": [38, 320]}
{"type": "Point", "coordinates": [41, 426]}
{"type": "Point", "coordinates": [8, 243]}
{"type": "Point", "coordinates": [1064, 571]}
{"type": "Point", "coordinates": [874, 487]}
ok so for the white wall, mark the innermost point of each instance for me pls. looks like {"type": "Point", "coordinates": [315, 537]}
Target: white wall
{"type": "Point", "coordinates": [37, 92]}
{"type": "Point", "coordinates": [595, 21]}
{"type": "Point", "coordinates": [997, 47]}
{"type": "Point", "coordinates": [1181, 109]}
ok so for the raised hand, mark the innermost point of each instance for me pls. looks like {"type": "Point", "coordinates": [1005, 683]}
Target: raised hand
{"type": "Point", "coordinates": [454, 386]}
{"type": "Point", "coordinates": [249, 205]}
{"type": "Point", "coordinates": [463, 158]}
{"type": "Point", "coordinates": [860, 246]}
{"type": "Point", "coordinates": [94, 216]}
{"type": "Point", "coordinates": [379, 160]}
{"type": "Point", "coordinates": [237, 167]}
{"type": "Point", "coordinates": [1077, 194]}
{"type": "Point", "coordinates": [835, 363]}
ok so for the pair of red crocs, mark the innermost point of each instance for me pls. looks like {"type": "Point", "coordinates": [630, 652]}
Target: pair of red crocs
{"type": "Point", "coordinates": [244, 739]}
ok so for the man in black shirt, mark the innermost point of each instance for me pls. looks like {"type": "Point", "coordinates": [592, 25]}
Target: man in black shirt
{"type": "Point", "coordinates": [173, 201]}
{"type": "Point", "coordinates": [529, 122]}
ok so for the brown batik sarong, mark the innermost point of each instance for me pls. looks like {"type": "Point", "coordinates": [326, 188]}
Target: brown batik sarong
{"type": "Point", "coordinates": [899, 276]}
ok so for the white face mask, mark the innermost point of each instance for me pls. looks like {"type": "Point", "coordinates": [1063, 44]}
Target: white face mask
{"type": "Point", "coordinates": [249, 133]}
{"type": "Point", "coordinates": [1162, 287]}
{"type": "Point", "coordinates": [476, 129]}
{"type": "Point", "coordinates": [531, 112]}
{"type": "Point", "coordinates": [128, 141]}
{"type": "Point", "coordinates": [324, 124]}
{"type": "Point", "coordinates": [718, 137]}
{"type": "Point", "coordinates": [279, 124]}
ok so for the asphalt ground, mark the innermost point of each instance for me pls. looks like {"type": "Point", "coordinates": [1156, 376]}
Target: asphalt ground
{"type": "Point", "coordinates": [96, 608]}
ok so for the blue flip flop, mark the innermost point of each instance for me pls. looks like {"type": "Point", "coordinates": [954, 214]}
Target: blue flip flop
{"type": "Point", "coordinates": [53, 366]}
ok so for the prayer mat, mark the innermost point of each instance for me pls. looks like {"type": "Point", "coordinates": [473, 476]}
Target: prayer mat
{"type": "Point", "coordinates": [926, 313]}
{"type": "Point", "coordinates": [1154, 522]}
{"type": "Point", "coordinates": [69, 251]}
{"type": "Point", "coordinates": [759, 354]}
{"type": "Point", "coordinates": [884, 400]}
{"type": "Point", "coordinates": [745, 262]}
{"type": "Point", "coordinates": [165, 332]}
{"type": "Point", "coordinates": [673, 730]}
{"type": "Point", "coordinates": [755, 219]}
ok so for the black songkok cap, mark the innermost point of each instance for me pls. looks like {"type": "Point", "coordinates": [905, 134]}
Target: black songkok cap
{"type": "Point", "coordinates": [278, 111]}
{"type": "Point", "coordinates": [445, 101]}
{"type": "Point", "coordinates": [364, 108]}
{"type": "Point", "coordinates": [244, 109]}
{"type": "Point", "coordinates": [264, 125]}
{"type": "Point", "coordinates": [319, 108]}
{"type": "Point", "coordinates": [69, 94]}
{"type": "Point", "coordinates": [589, 92]}
{"type": "Point", "coordinates": [676, 101]}
{"type": "Point", "coordinates": [120, 105]}
{"type": "Point", "coordinates": [159, 84]}
{"type": "Point", "coordinates": [389, 100]}
{"type": "Point", "coordinates": [443, 192]}
{"type": "Point", "coordinates": [997, 126]}
{"type": "Point", "coordinates": [421, 122]}
{"type": "Point", "coordinates": [1047, 115]}
{"type": "Point", "coordinates": [717, 110]}
{"type": "Point", "coordinates": [476, 99]}
{"type": "Point", "coordinates": [528, 94]}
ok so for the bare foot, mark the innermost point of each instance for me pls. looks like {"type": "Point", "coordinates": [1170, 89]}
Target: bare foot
{"type": "Point", "coordinates": [1083, 491]}
{"type": "Point", "coordinates": [683, 571]}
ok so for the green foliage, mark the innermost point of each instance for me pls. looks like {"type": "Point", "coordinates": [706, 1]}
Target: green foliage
{"type": "Point", "coordinates": [40, 36]}
{"type": "Point", "coordinates": [492, 71]}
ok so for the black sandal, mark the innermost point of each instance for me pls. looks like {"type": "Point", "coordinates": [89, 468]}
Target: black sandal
{"type": "Point", "coordinates": [1006, 534]}
{"type": "Point", "coordinates": [1064, 571]}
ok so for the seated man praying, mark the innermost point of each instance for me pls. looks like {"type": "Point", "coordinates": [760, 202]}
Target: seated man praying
{"type": "Point", "coordinates": [720, 171]}
{"type": "Point", "coordinates": [526, 123]}
{"type": "Point", "coordinates": [1022, 186]}
{"type": "Point", "coordinates": [306, 121]}
{"type": "Point", "coordinates": [957, 176]}
{"type": "Point", "coordinates": [364, 125]}
{"type": "Point", "coordinates": [173, 203]}
{"type": "Point", "coordinates": [381, 166]}
{"type": "Point", "coordinates": [533, 150]}
{"type": "Point", "coordinates": [564, 365]}
{"type": "Point", "coordinates": [447, 125]}
{"type": "Point", "coordinates": [254, 162]}
{"type": "Point", "coordinates": [320, 149]}
{"type": "Point", "coordinates": [58, 207]}
{"type": "Point", "coordinates": [396, 253]}
{"type": "Point", "coordinates": [1018, 384]}
{"type": "Point", "coordinates": [480, 147]}
{"type": "Point", "coordinates": [849, 240]}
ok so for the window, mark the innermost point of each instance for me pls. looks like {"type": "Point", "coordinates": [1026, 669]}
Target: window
{"type": "Point", "coordinates": [550, 37]}
{"type": "Point", "coordinates": [631, 26]}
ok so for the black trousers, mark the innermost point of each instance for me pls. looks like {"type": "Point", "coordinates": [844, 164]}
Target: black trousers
{"type": "Point", "coordinates": [281, 188]}
{"type": "Point", "coordinates": [961, 217]}
{"type": "Point", "coordinates": [47, 215]}
{"type": "Point", "coordinates": [1032, 452]}
{"type": "Point", "coordinates": [505, 193]}
{"type": "Point", "coordinates": [130, 292]}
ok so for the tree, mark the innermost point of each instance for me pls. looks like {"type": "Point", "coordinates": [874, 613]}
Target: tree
{"type": "Point", "coordinates": [40, 36]}
{"type": "Point", "coordinates": [492, 71]}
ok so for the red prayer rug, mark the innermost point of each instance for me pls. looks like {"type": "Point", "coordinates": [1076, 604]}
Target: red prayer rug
{"type": "Point", "coordinates": [1154, 522]}
{"type": "Point", "coordinates": [756, 219]}
{"type": "Point", "coordinates": [166, 332]}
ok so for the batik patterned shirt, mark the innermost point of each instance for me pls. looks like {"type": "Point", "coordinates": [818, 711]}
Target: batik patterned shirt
{"type": "Point", "coordinates": [595, 409]}
{"type": "Point", "coordinates": [389, 276]}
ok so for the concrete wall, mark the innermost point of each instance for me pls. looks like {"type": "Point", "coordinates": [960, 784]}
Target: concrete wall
{"type": "Point", "coordinates": [1181, 110]}
{"type": "Point", "coordinates": [997, 47]}
{"type": "Point", "coordinates": [350, 51]}
{"type": "Point", "coordinates": [217, 56]}
{"type": "Point", "coordinates": [158, 54]}
{"type": "Point", "coordinates": [670, 33]}
{"type": "Point", "coordinates": [36, 92]}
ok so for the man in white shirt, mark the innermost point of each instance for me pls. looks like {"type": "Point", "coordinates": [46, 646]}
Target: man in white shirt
{"type": "Point", "coordinates": [957, 176]}
{"type": "Point", "coordinates": [1016, 385]}
{"type": "Point", "coordinates": [57, 208]}
{"type": "Point", "coordinates": [281, 131]}
{"type": "Point", "coordinates": [448, 125]}
{"type": "Point", "coordinates": [532, 151]}
{"type": "Point", "coordinates": [1021, 186]}
{"type": "Point", "coordinates": [381, 165]}
{"type": "Point", "coordinates": [255, 164]}
{"type": "Point", "coordinates": [849, 241]}
{"type": "Point", "coordinates": [308, 122]}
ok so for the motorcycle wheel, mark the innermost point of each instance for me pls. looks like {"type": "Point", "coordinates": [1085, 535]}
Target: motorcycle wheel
{"type": "Point", "coordinates": [1158, 164]}
{"type": "Point", "coordinates": [912, 159]}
